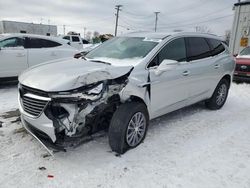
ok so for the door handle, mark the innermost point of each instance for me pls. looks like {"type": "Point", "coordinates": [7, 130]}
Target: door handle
{"type": "Point", "coordinates": [185, 73]}
{"type": "Point", "coordinates": [216, 66]}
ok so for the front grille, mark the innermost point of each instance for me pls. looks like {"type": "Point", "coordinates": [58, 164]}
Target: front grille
{"type": "Point", "coordinates": [26, 89]}
{"type": "Point", "coordinates": [242, 68]}
{"type": "Point", "coordinates": [33, 101]}
{"type": "Point", "coordinates": [33, 106]}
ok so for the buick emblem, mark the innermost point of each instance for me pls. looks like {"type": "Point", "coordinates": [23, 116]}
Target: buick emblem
{"type": "Point", "coordinates": [243, 67]}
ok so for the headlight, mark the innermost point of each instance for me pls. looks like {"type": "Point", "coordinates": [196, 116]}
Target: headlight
{"type": "Point", "coordinates": [92, 93]}
{"type": "Point", "coordinates": [96, 90]}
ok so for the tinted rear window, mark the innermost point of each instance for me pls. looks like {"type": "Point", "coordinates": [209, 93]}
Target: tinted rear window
{"type": "Point", "coordinates": [197, 48]}
{"type": "Point", "coordinates": [41, 43]}
{"type": "Point", "coordinates": [216, 46]}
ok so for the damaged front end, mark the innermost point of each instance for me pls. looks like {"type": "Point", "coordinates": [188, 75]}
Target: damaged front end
{"type": "Point", "coordinates": [64, 119]}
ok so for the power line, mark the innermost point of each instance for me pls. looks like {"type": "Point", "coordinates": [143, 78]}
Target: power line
{"type": "Point", "coordinates": [135, 15]}
{"type": "Point", "coordinates": [218, 18]}
{"type": "Point", "coordinates": [197, 17]}
{"type": "Point", "coordinates": [133, 27]}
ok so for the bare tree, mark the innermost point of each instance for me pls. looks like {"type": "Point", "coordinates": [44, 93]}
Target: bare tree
{"type": "Point", "coordinates": [96, 37]}
{"type": "Point", "coordinates": [96, 34]}
{"type": "Point", "coordinates": [88, 35]}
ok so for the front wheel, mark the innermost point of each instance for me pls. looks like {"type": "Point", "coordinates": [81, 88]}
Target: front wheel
{"type": "Point", "coordinates": [219, 96]}
{"type": "Point", "coordinates": [128, 126]}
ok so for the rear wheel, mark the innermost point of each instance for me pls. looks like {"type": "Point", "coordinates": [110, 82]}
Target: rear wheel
{"type": "Point", "coordinates": [128, 126]}
{"type": "Point", "coordinates": [219, 96]}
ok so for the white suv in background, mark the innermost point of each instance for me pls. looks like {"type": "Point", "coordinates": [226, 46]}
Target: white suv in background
{"type": "Point", "coordinates": [77, 42]}
{"type": "Point", "coordinates": [122, 84]}
{"type": "Point", "coordinates": [21, 51]}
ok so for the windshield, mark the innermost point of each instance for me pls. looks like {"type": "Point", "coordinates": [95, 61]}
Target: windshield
{"type": "Point", "coordinates": [123, 48]}
{"type": "Point", "coordinates": [245, 51]}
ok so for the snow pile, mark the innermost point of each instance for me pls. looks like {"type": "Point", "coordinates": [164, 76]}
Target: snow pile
{"type": "Point", "coordinates": [193, 147]}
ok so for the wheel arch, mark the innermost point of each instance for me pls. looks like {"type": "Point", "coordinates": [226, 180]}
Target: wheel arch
{"type": "Point", "coordinates": [134, 98]}
{"type": "Point", "coordinates": [228, 78]}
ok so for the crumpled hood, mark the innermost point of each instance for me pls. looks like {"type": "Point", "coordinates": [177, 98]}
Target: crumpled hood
{"type": "Point", "coordinates": [69, 74]}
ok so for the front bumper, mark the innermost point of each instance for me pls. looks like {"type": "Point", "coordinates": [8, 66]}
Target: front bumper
{"type": "Point", "coordinates": [245, 77]}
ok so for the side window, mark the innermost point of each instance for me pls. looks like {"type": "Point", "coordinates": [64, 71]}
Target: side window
{"type": "Point", "coordinates": [75, 39]}
{"type": "Point", "coordinates": [175, 50]}
{"type": "Point", "coordinates": [50, 43]}
{"type": "Point", "coordinates": [41, 43]}
{"type": "Point", "coordinates": [12, 42]}
{"type": "Point", "coordinates": [197, 48]}
{"type": "Point", "coordinates": [216, 46]}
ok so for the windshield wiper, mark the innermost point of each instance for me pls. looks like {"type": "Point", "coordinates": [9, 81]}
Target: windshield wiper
{"type": "Point", "coordinates": [99, 61]}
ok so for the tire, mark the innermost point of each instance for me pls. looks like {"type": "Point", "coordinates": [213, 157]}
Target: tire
{"type": "Point", "coordinates": [219, 96]}
{"type": "Point", "coordinates": [121, 127]}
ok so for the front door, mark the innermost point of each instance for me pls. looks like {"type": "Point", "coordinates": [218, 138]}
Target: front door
{"type": "Point", "coordinates": [13, 57]}
{"type": "Point", "coordinates": [169, 90]}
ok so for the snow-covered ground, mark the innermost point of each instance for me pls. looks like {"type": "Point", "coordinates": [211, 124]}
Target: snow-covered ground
{"type": "Point", "coordinates": [193, 147]}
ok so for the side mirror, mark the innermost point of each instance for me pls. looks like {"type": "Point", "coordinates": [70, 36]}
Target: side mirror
{"type": "Point", "coordinates": [166, 64]}
{"type": "Point", "coordinates": [235, 55]}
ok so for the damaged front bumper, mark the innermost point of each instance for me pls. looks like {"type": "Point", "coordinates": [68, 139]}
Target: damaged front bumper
{"type": "Point", "coordinates": [64, 119]}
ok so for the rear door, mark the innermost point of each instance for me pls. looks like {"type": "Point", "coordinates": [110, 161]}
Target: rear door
{"type": "Point", "coordinates": [220, 57]}
{"type": "Point", "coordinates": [42, 50]}
{"type": "Point", "coordinates": [13, 57]}
{"type": "Point", "coordinates": [200, 68]}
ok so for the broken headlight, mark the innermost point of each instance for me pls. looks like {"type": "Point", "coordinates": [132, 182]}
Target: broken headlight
{"type": "Point", "coordinates": [96, 90]}
{"type": "Point", "coordinates": [91, 92]}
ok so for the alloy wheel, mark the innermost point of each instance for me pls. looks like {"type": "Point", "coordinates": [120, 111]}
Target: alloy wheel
{"type": "Point", "coordinates": [222, 93]}
{"type": "Point", "coordinates": [136, 129]}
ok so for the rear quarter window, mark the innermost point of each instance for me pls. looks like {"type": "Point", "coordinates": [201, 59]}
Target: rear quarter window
{"type": "Point", "coordinates": [197, 48]}
{"type": "Point", "coordinates": [41, 43]}
{"type": "Point", "coordinates": [216, 46]}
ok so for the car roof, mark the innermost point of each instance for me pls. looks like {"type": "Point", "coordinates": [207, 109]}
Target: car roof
{"type": "Point", "coordinates": [57, 39]}
{"type": "Point", "coordinates": [163, 35]}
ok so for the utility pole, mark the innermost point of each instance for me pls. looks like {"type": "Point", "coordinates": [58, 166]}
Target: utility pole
{"type": "Point", "coordinates": [118, 8]}
{"type": "Point", "coordinates": [156, 19]}
{"type": "Point", "coordinates": [64, 29]}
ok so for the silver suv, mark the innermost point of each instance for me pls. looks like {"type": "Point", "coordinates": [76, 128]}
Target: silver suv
{"type": "Point", "coordinates": [121, 85]}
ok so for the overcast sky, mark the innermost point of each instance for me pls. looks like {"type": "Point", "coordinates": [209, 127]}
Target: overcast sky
{"type": "Point", "coordinates": [216, 15]}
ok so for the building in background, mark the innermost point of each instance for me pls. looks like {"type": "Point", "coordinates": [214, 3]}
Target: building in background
{"type": "Point", "coordinates": [240, 34]}
{"type": "Point", "coordinates": [31, 28]}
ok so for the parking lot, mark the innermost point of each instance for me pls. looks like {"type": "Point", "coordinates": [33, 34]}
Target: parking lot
{"type": "Point", "coordinates": [192, 147]}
